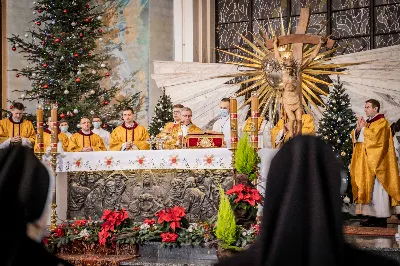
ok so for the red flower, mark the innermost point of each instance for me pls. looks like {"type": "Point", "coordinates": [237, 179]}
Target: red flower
{"type": "Point", "coordinates": [111, 219]}
{"type": "Point", "coordinates": [45, 241]}
{"type": "Point", "coordinates": [80, 223]}
{"type": "Point", "coordinates": [169, 237]}
{"type": "Point", "coordinates": [245, 194]}
{"type": "Point", "coordinates": [172, 216]}
{"type": "Point", "coordinates": [59, 232]}
{"type": "Point", "coordinates": [149, 222]}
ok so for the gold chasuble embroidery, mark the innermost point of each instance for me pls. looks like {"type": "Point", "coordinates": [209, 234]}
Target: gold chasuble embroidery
{"type": "Point", "coordinates": [375, 157]}
{"type": "Point", "coordinates": [10, 129]}
{"type": "Point", "coordinates": [308, 128]}
{"type": "Point", "coordinates": [136, 134]}
{"type": "Point", "coordinates": [80, 140]}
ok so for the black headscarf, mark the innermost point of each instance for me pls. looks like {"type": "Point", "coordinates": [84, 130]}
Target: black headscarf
{"type": "Point", "coordinates": [24, 189]}
{"type": "Point", "coordinates": [302, 220]}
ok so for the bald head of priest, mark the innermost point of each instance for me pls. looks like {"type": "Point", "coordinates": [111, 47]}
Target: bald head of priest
{"type": "Point", "coordinates": [85, 140]}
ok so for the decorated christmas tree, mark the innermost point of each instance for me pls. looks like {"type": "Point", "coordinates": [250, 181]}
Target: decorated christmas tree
{"type": "Point", "coordinates": [66, 63]}
{"type": "Point", "coordinates": [162, 114]}
{"type": "Point", "coordinates": [336, 125]}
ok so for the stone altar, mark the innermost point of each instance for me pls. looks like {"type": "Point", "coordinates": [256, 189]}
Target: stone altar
{"type": "Point", "coordinates": [144, 182]}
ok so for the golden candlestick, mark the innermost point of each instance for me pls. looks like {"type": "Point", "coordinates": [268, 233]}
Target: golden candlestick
{"type": "Point", "coordinates": [54, 144]}
{"type": "Point", "coordinates": [39, 132]}
{"type": "Point", "coordinates": [254, 120]}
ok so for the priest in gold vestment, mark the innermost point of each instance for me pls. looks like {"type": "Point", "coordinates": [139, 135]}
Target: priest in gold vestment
{"type": "Point", "coordinates": [279, 131]}
{"type": "Point", "coordinates": [373, 169]}
{"type": "Point", "coordinates": [85, 140]}
{"type": "Point", "coordinates": [16, 130]}
{"type": "Point", "coordinates": [176, 113]}
{"type": "Point", "coordinates": [178, 134]}
{"type": "Point", "coordinates": [63, 140]}
{"type": "Point", "coordinates": [129, 135]}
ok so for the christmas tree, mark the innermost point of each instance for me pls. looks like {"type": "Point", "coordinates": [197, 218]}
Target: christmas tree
{"type": "Point", "coordinates": [336, 125]}
{"type": "Point", "coordinates": [162, 114]}
{"type": "Point", "coordinates": [65, 63]}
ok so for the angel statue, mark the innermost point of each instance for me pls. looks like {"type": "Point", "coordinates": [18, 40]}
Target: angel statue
{"type": "Point", "coordinates": [290, 89]}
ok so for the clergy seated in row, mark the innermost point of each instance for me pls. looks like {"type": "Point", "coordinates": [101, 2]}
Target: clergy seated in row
{"type": "Point", "coordinates": [280, 134]}
{"type": "Point", "coordinates": [85, 140]}
{"type": "Point", "coordinates": [130, 135]}
{"type": "Point", "coordinates": [63, 140]}
{"type": "Point", "coordinates": [15, 130]}
{"type": "Point", "coordinates": [104, 134]}
{"type": "Point", "coordinates": [64, 127]}
{"type": "Point", "coordinates": [178, 134]}
{"type": "Point", "coordinates": [176, 114]}
{"type": "Point", "coordinates": [373, 169]}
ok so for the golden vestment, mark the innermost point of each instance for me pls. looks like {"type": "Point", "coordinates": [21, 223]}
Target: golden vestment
{"type": "Point", "coordinates": [63, 138]}
{"type": "Point", "coordinates": [80, 140]}
{"type": "Point", "coordinates": [136, 134]}
{"type": "Point", "coordinates": [167, 129]}
{"type": "Point", "coordinates": [175, 134]}
{"type": "Point", "coordinates": [374, 157]}
{"type": "Point", "coordinates": [10, 129]}
{"type": "Point", "coordinates": [248, 124]}
{"type": "Point", "coordinates": [308, 128]}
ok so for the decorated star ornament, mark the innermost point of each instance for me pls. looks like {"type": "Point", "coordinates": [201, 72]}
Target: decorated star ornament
{"type": "Point", "coordinates": [262, 71]}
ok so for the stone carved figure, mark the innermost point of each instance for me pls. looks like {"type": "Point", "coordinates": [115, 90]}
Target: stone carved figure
{"type": "Point", "coordinates": [78, 192]}
{"type": "Point", "coordinates": [193, 199]}
{"type": "Point", "coordinates": [94, 201]}
{"type": "Point", "coordinates": [146, 192]}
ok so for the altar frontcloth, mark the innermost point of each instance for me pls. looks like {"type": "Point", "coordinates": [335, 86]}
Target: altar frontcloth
{"type": "Point", "coordinates": [215, 158]}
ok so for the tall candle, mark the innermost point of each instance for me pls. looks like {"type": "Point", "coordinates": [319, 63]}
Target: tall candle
{"type": "Point", "coordinates": [234, 123]}
{"type": "Point", "coordinates": [254, 120]}
{"type": "Point", "coordinates": [54, 129]}
{"type": "Point", "coordinates": [39, 123]}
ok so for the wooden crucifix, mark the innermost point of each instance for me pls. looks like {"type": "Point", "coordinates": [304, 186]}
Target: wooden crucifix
{"type": "Point", "coordinates": [292, 63]}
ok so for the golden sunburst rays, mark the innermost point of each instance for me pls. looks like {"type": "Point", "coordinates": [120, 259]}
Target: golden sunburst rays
{"type": "Point", "coordinates": [255, 56]}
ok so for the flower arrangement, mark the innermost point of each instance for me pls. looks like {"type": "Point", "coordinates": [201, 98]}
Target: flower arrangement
{"type": "Point", "coordinates": [116, 232]}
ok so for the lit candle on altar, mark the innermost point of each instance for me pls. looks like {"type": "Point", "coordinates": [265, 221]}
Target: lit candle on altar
{"type": "Point", "coordinates": [54, 129]}
{"type": "Point", "coordinates": [39, 123]}
{"type": "Point", "coordinates": [254, 120]}
{"type": "Point", "coordinates": [234, 123]}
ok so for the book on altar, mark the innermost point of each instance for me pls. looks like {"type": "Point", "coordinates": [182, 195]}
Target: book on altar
{"type": "Point", "coordinates": [209, 139]}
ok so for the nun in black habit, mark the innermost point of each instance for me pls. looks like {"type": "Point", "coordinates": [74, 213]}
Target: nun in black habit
{"type": "Point", "coordinates": [302, 220]}
{"type": "Point", "coordinates": [25, 198]}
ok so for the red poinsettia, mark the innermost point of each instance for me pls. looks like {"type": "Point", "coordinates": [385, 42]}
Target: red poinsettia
{"type": "Point", "coordinates": [149, 221]}
{"type": "Point", "coordinates": [80, 223]}
{"type": "Point", "coordinates": [245, 193]}
{"type": "Point", "coordinates": [111, 220]}
{"type": "Point", "coordinates": [59, 231]}
{"type": "Point", "coordinates": [169, 237]}
{"type": "Point", "coordinates": [171, 215]}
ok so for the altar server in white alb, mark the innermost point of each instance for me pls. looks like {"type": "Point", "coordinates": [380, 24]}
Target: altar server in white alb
{"type": "Point", "coordinates": [104, 134]}
{"type": "Point", "coordinates": [223, 124]}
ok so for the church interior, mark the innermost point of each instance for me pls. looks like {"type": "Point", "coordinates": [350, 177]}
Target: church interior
{"type": "Point", "coordinates": [200, 132]}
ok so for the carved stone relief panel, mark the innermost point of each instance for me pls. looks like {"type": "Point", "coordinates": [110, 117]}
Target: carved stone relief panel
{"type": "Point", "coordinates": [145, 192]}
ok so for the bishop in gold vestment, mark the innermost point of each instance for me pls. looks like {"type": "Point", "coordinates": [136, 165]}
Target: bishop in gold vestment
{"type": "Point", "coordinates": [81, 140]}
{"type": "Point", "coordinates": [178, 135]}
{"type": "Point", "coordinates": [278, 136]}
{"type": "Point", "coordinates": [123, 134]}
{"type": "Point", "coordinates": [373, 169]}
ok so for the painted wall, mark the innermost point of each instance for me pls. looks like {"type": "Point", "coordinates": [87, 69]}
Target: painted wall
{"type": "Point", "coordinates": [148, 36]}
